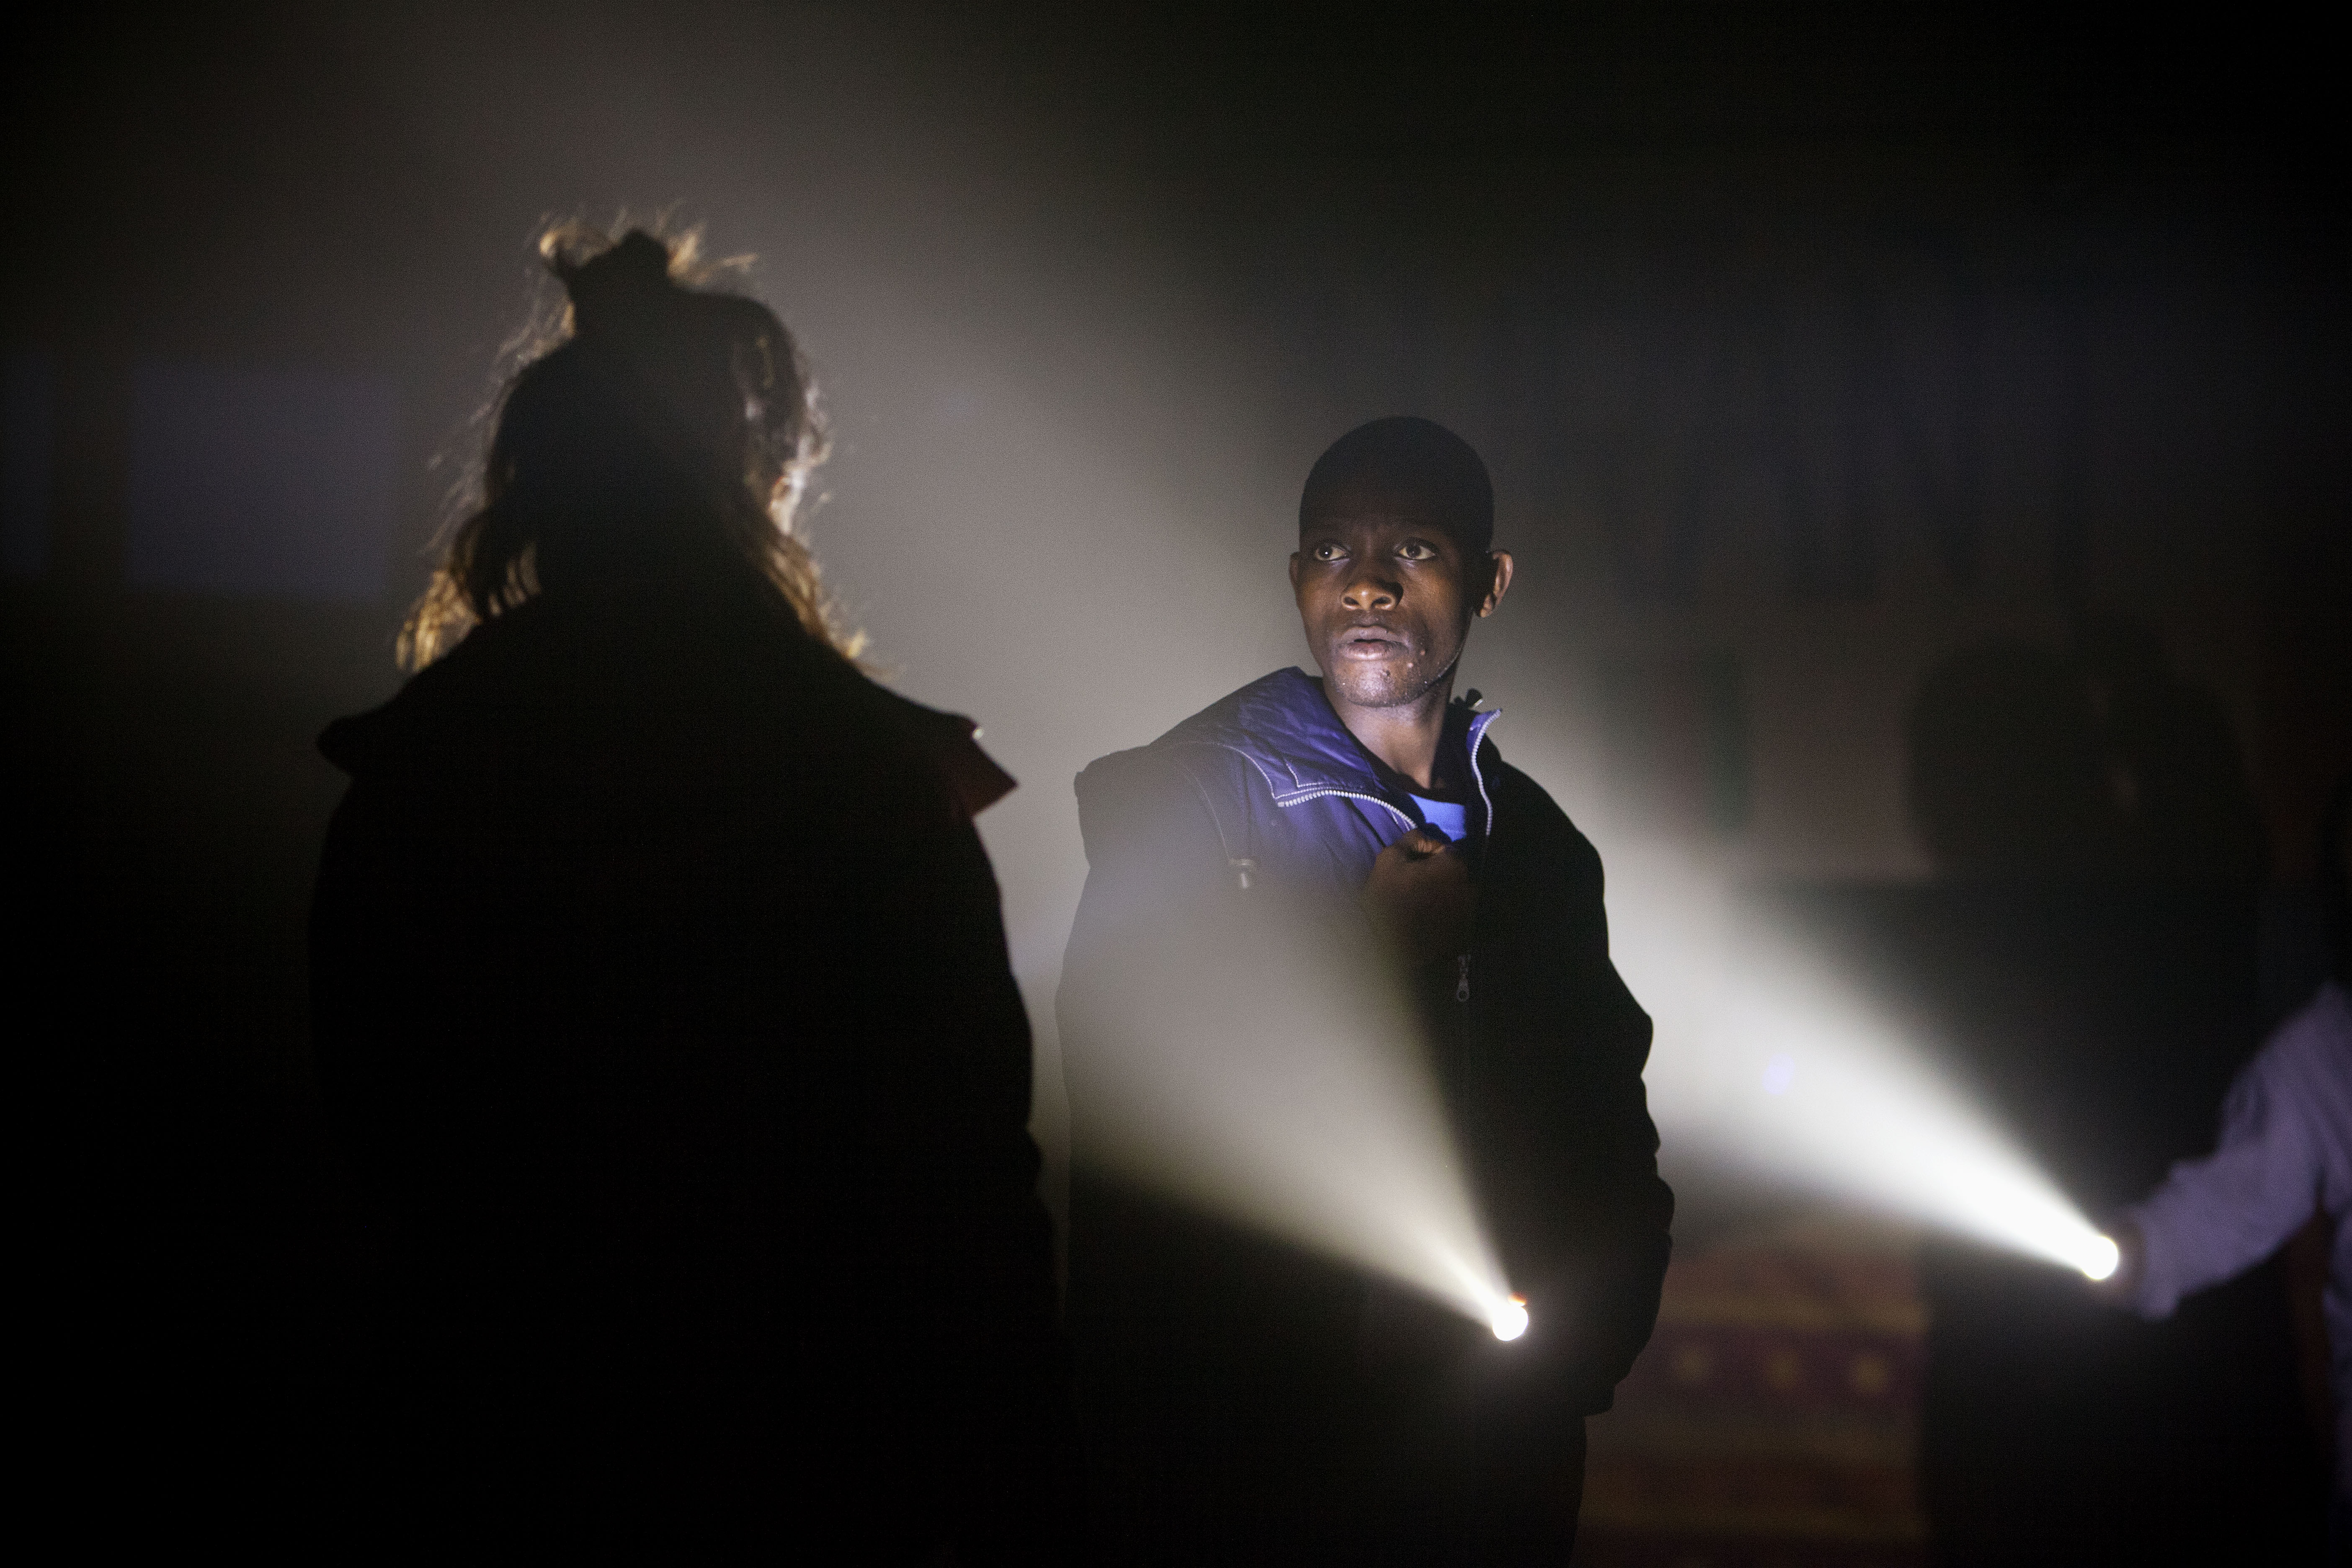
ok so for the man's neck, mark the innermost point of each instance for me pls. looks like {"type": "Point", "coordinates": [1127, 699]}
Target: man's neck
{"type": "Point", "coordinates": [1405, 738]}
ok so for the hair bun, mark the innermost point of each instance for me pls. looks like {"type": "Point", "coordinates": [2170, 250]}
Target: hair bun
{"type": "Point", "coordinates": [617, 283]}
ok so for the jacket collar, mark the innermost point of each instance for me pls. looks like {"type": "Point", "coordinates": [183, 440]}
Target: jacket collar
{"type": "Point", "coordinates": [1287, 729]}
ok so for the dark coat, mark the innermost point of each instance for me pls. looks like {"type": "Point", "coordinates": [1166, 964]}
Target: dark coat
{"type": "Point", "coordinates": [1263, 809]}
{"type": "Point", "coordinates": [661, 996]}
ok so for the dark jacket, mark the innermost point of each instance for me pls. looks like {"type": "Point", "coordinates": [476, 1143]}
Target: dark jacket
{"type": "Point", "coordinates": [661, 996]}
{"type": "Point", "coordinates": [1264, 801]}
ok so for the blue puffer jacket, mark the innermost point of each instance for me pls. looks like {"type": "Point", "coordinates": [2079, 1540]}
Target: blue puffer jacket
{"type": "Point", "coordinates": [1266, 795]}
{"type": "Point", "coordinates": [1286, 787]}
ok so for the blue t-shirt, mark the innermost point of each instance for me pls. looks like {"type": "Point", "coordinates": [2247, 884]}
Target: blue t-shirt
{"type": "Point", "coordinates": [1449, 817]}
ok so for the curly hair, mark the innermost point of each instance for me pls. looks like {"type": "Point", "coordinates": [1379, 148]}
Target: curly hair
{"type": "Point", "coordinates": [658, 424]}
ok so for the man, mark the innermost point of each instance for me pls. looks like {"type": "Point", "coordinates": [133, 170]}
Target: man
{"type": "Point", "coordinates": [2284, 1149]}
{"type": "Point", "coordinates": [1245, 1400]}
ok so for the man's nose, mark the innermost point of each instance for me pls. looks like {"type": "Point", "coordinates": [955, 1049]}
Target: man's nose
{"type": "Point", "coordinates": [1371, 589]}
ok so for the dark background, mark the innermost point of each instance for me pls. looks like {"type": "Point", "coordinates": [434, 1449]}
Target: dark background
{"type": "Point", "coordinates": [1820, 353]}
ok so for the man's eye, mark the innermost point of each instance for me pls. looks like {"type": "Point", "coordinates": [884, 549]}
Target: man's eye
{"type": "Point", "coordinates": [1415, 550]}
{"type": "Point", "coordinates": [1326, 550]}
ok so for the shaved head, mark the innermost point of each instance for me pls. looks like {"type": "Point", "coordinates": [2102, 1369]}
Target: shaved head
{"type": "Point", "coordinates": [1404, 466]}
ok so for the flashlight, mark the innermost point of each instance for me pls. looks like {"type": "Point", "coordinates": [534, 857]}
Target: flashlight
{"type": "Point", "coordinates": [2100, 1258]}
{"type": "Point", "coordinates": [1509, 1318]}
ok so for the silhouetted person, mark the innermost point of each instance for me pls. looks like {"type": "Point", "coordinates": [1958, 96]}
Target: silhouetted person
{"type": "Point", "coordinates": [2089, 953]}
{"type": "Point", "coordinates": [661, 994]}
{"type": "Point", "coordinates": [2007, 774]}
{"type": "Point", "coordinates": [2174, 767]}
{"type": "Point", "coordinates": [2285, 1151]}
{"type": "Point", "coordinates": [2099, 761]}
{"type": "Point", "coordinates": [1245, 1400]}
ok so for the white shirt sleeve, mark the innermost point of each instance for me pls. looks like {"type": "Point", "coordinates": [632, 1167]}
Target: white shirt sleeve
{"type": "Point", "coordinates": [2212, 1218]}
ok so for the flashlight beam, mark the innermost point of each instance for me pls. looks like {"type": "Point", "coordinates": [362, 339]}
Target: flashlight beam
{"type": "Point", "coordinates": [1774, 1063]}
{"type": "Point", "coordinates": [1294, 1098]}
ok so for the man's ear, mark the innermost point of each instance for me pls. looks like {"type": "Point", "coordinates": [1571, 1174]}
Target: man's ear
{"type": "Point", "coordinates": [1502, 567]}
{"type": "Point", "coordinates": [1294, 574]}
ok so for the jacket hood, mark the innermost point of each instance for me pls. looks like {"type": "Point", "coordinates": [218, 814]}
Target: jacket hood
{"type": "Point", "coordinates": [1285, 727]}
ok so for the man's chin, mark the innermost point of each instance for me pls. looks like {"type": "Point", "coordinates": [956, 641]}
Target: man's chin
{"type": "Point", "coordinates": [1373, 688]}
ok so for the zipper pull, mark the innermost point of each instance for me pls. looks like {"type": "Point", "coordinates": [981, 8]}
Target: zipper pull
{"type": "Point", "coordinates": [1241, 870]}
{"type": "Point", "coordinates": [1462, 978]}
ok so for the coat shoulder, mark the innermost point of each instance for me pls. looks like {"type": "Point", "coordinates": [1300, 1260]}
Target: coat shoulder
{"type": "Point", "coordinates": [1523, 807]}
{"type": "Point", "coordinates": [1139, 794]}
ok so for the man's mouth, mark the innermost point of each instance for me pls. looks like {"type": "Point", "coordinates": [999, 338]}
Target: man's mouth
{"type": "Point", "coordinates": [1370, 643]}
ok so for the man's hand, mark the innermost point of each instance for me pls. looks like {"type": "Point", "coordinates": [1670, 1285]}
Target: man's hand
{"type": "Point", "coordinates": [1421, 897]}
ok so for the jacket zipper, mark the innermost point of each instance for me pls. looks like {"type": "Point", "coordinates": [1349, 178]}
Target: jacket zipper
{"type": "Point", "coordinates": [1349, 794]}
{"type": "Point", "coordinates": [1479, 778]}
{"type": "Point", "coordinates": [1462, 963]}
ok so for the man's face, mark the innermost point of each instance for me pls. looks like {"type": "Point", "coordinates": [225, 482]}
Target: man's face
{"type": "Point", "coordinates": [1386, 598]}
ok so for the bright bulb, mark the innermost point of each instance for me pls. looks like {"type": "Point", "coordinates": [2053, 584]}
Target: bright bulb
{"type": "Point", "coordinates": [2100, 1258]}
{"type": "Point", "coordinates": [1510, 1319]}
